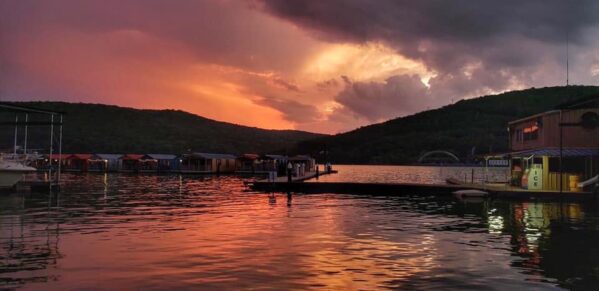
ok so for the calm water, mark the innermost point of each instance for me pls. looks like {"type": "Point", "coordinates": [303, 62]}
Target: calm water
{"type": "Point", "coordinates": [167, 232]}
{"type": "Point", "coordinates": [413, 174]}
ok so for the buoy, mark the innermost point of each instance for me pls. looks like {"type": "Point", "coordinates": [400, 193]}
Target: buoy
{"type": "Point", "coordinates": [470, 193]}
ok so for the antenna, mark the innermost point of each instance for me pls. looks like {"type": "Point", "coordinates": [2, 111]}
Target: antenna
{"type": "Point", "coordinates": [567, 58]}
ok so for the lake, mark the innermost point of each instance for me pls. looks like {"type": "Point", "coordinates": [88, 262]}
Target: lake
{"type": "Point", "coordinates": [201, 232]}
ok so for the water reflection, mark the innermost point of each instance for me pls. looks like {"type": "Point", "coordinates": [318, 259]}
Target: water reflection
{"type": "Point", "coordinates": [137, 232]}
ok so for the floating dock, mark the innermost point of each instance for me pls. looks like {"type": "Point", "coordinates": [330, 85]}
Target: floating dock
{"type": "Point", "coordinates": [399, 189]}
{"type": "Point", "coordinates": [306, 176]}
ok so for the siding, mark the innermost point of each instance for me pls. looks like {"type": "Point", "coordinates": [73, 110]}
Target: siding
{"type": "Point", "coordinates": [573, 137]}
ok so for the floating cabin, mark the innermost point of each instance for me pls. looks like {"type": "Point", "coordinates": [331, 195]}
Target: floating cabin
{"type": "Point", "coordinates": [556, 149]}
{"type": "Point", "coordinates": [111, 162]}
{"type": "Point", "coordinates": [130, 163]}
{"type": "Point", "coordinates": [54, 158]}
{"type": "Point", "coordinates": [279, 161]}
{"type": "Point", "coordinates": [159, 163]}
{"type": "Point", "coordinates": [83, 163]}
{"type": "Point", "coordinates": [253, 163]}
{"type": "Point", "coordinates": [207, 163]}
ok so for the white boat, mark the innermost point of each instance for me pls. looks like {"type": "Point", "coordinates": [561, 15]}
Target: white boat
{"type": "Point", "coordinates": [11, 172]}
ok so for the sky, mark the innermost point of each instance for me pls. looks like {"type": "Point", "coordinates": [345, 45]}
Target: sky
{"type": "Point", "coordinates": [321, 66]}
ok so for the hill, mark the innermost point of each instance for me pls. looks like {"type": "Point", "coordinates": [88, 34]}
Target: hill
{"type": "Point", "coordinates": [479, 122]}
{"type": "Point", "coordinates": [95, 128]}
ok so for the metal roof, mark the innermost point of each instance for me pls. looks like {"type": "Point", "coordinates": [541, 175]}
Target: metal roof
{"type": "Point", "coordinates": [249, 156]}
{"type": "Point", "coordinates": [131, 157]}
{"type": "Point", "coordinates": [109, 156]}
{"type": "Point", "coordinates": [555, 152]}
{"type": "Point", "coordinates": [276, 157]}
{"type": "Point", "coordinates": [162, 156]}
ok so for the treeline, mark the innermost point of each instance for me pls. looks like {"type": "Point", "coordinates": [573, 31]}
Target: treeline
{"type": "Point", "coordinates": [474, 126]}
{"type": "Point", "coordinates": [95, 128]}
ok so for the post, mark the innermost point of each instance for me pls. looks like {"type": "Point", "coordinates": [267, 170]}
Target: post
{"type": "Point", "coordinates": [26, 129]}
{"type": "Point", "coordinates": [51, 150]}
{"type": "Point", "coordinates": [16, 134]}
{"type": "Point", "coordinates": [472, 177]}
{"type": "Point", "coordinates": [561, 152]}
{"type": "Point", "coordinates": [59, 150]}
{"type": "Point", "coordinates": [289, 168]}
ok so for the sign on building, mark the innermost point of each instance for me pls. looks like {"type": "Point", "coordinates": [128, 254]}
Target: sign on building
{"type": "Point", "coordinates": [535, 177]}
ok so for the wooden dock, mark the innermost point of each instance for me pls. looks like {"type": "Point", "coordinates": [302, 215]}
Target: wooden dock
{"type": "Point", "coordinates": [307, 176]}
{"type": "Point", "coordinates": [399, 189]}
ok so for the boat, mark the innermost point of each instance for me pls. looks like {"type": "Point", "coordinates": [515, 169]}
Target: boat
{"type": "Point", "coordinates": [11, 172]}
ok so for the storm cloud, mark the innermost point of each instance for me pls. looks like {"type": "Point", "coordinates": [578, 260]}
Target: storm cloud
{"type": "Point", "coordinates": [473, 47]}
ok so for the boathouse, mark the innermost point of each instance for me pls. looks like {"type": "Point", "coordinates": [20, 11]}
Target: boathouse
{"type": "Point", "coordinates": [554, 150]}
{"type": "Point", "coordinates": [111, 162]}
{"type": "Point", "coordinates": [248, 163]}
{"type": "Point", "coordinates": [253, 163]}
{"type": "Point", "coordinates": [207, 163]}
{"type": "Point", "coordinates": [159, 163]}
{"type": "Point", "coordinates": [53, 160]}
{"type": "Point", "coordinates": [130, 163]}
{"type": "Point", "coordinates": [278, 163]}
{"type": "Point", "coordinates": [76, 162]}
{"type": "Point", "coordinates": [303, 163]}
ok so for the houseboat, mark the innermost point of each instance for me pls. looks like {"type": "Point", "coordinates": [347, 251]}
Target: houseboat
{"type": "Point", "coordinates": [207, 163]}
{"type": "Point", "coordinates": [260, 164]}
{"type": "Point", "coordinates": [110, 162]}
{"type": "Point", "coordinates": [557, 149]}
{"type": "Point", "coordinates": [83, 163]}
{"type": "Point", "coordinates": [130, 163]}
{"type": "Point", "coordinates": [159, 163]}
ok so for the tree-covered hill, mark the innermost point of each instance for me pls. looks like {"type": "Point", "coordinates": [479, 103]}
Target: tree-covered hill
{"type": "Point", "coordinates": [95, 128]}
{"type": "Point", "coordinates": [479, 122]}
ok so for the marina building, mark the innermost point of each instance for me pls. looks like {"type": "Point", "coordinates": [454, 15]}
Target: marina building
{"type": "Point", "coordinates": [555, 150]}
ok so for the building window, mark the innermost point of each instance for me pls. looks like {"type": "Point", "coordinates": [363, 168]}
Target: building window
{"type": "Point", "coordinates": [518, 134]}
{"type": "Point", "coordinates": [531, 132]}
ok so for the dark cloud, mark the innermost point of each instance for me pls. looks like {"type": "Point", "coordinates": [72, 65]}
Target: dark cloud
{"type": "Point", "coordinates": [462, 21]}
{"type": "Point", "coordinates": [279, 82]}
{"type": "Point", "coordinates": [474, 47]}
{"type": "Point", "coordinates": [292, 110]}
{"type": "Point", "coordinates": [376, 101]}
{"type": "Point", "coordinates": [326, 85]}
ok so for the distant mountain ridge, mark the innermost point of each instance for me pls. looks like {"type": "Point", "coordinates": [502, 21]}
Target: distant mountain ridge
{"type": "Point", "coordinates": [476, 125]}
{"type": "Point", "coordinates": [98, 128]}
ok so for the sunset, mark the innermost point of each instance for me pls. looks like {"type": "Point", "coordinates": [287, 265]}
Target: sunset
{"type": "Point", "coordinates": [290, 64]}
{"type": "Point", "coordinates": [299, 144]}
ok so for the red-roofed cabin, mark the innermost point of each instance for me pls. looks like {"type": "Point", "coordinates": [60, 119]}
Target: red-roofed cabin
{"type": "Point", "coordinates": [130, 162]}
{"type": "Point", "coordinates": [77, 162]}
{"type": "Point", "coordinates": [246, 163]}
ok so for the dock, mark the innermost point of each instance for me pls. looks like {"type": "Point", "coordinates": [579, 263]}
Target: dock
{"type": "Point", "coordinates": [306, 176]}
{"type": "Point", "coordinates": [425, 190]}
